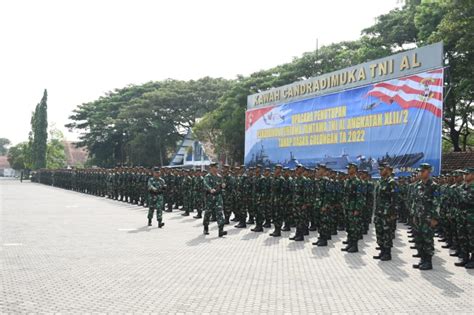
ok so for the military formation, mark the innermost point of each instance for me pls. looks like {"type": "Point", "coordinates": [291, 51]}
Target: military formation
{"type": "Point", "coordinates": [300, 200]}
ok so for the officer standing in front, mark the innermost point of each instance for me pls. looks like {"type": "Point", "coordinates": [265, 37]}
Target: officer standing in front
{"type": "Point", "coordinates": [156, 188]}
{"type": "Point", "coordinates": [213, 185]}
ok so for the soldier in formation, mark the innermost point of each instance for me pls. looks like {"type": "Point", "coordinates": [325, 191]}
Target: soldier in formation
{"type": "Point", "coordinates": [302, 200]}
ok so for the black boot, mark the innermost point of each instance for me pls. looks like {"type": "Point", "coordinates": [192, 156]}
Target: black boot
{"type": "Point", "coordinates": [312, 227]}
{"type": "Point", "coordinates": [470, 264]}
{"type": "Point", "coordinates": [305, 230]}
{"type": "Point", "coordinates": [257, 228]}
{"type": "Point", "coordinates": [349, 245]}
{"type": "Point", "coordinates": [455, 253]}
{"type": "Point", "coordinates": [387, 255]}
{"type": "Point", "coordinates": [298, 236]}
{"type": "Point", "coordinates": [322, 242]}
{"type": "Point", "coordinates": [426, 265]}
{"type": "Point", "coordinates": [241, 225]}
{"type": "Point", "coordinates": [447, 245]}
{"type": "Point", "coordinates": [250, 221]}
{"type": "Point", "coordinates": [221, 231]}
{"type": "Point", "coordinates": [380, 255]}
{"type": "Point", "coordinates": [345, 242]}
{"type": "Point", "coordinates": [417, 266]}
{"type": "Point", "coordinates": [353, 248]}
{"type": "Point", "coordinates": [185, 213]}
{"type": "Point", "coordinates": [277, 232]}
{"type": "Point", "coordinates": [286, 228]}
{"type": "Point", "coordinates": [198, 216]}
{"type": "Point", "coordinates": [463, 260]}
{"type": "Point", "coordinates": [206, 230]}
{"type": "Point", "coordinates": [149, 222]}
{"type": "Point", "coordinates": [160, 224]}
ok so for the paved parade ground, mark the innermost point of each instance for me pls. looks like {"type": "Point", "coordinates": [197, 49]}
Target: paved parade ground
{"type": "Point", "coordinates": [63, 251]}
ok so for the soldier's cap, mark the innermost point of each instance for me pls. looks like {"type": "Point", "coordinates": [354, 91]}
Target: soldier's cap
{"type": "Point", "coordinates": [278, 166]}
{"type": "Point", "coordinates": [299, 165]}
{"type": "Point", "coordinates": [365, 172]}
{"type": "Point", "coordinates": [460, 172]}
{"type": "Point", "coordinates": [213, 164]}
{"type": "Point", "coordinates": [469, 170]}
{"type": "Point", "coordinates": [385, 165]}
{"type": "Point", "coordinates": [322, 165]}
{"type": "Point", "coordinates": [226, 165]}
{"type": "Point", "coordinates": [259, 165]}
{"type": "Point", "coordinates": [349, 165]}
{"type": "Point", "coordinates": [286, 168]}
{"type": "Point", "coordinates": [267, 169]}
{"type": "Point", "coordinates": [237, 168]}
{"type": "Point", "coordinates": [425, 166]}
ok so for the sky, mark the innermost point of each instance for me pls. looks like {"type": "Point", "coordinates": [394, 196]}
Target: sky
{"type": "Point", "coordinates": [79, 50]}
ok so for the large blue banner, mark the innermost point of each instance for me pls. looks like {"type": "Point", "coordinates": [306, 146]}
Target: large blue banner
{"type": "Point", "coordinates": [396, 121]}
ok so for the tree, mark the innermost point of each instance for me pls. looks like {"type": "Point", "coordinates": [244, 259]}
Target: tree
{"type": "Point", "coordinates": [225, 126]}
{"type": "Point", "coordinates": [4, 142]}
{"type": "Point", "coordinates": [424, 22]}
{"type": "Point", "coordinates": [19, 156]}
{"type": "Point", "coordinates": [141, 124]}
{"type": "Point", "coordinates": [39, 133]}
{"type": "Point", "coordinates": [55, 155]}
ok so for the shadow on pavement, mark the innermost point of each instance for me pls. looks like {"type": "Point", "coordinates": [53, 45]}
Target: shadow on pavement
{"type": "Point", "coordinates": [270, 240]}
{"type": "Point", "coordinates": [293, 245]}
{"type": "Point", "coordinates": [201, 239]}
{"type": "Point", "coordinates": [233, 231]}
{"type": "Point", "coordinates": [393, 268]}
{"type": "Point", "coordinates": [321, 252]}
{"type": "Point", "coordinates": [439, 277]}
{"type": "Point", "coordinates": [145, 228]}
{"type": "Point", "coordinates": [354, 260]}
{"type": "Point", "coordinates": [251, 235]}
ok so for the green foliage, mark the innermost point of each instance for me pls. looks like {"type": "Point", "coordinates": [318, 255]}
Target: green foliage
{"type": "Point", "coordinates": [4, 142]}
{"type": "Point", "coordinates": [141, 125]}
{"type": "Point", "coordinates": [39, 133]}
{"type": "Point", "coordinates": [424, 22]}
{"type": "Point", "coordinates": [55, 155]}
{"type": "Point", "coordinates": [19, 156]}
{"type": "Point", "coordinates": [225, 127]}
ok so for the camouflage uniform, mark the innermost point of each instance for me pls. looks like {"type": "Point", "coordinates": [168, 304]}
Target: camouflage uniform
{"type": "Point", "coordinates": [426, 205]}
{"type": "Point", "coordinates": [214, 202]}
{"type": "Point", "coordinates": [156, 187]}
{"type": "Point", "coordinates": [354, 202]}
{"type": "Point", "coordinates": [385, 212]}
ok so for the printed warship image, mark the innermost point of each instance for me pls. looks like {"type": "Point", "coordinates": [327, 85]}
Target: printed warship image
{"type": "Point", "coordinates": [400, 161]}
{"type": "Point", "coordinates": [340, 162]}
{"type": "Point", "coordinates": [260, 158]}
